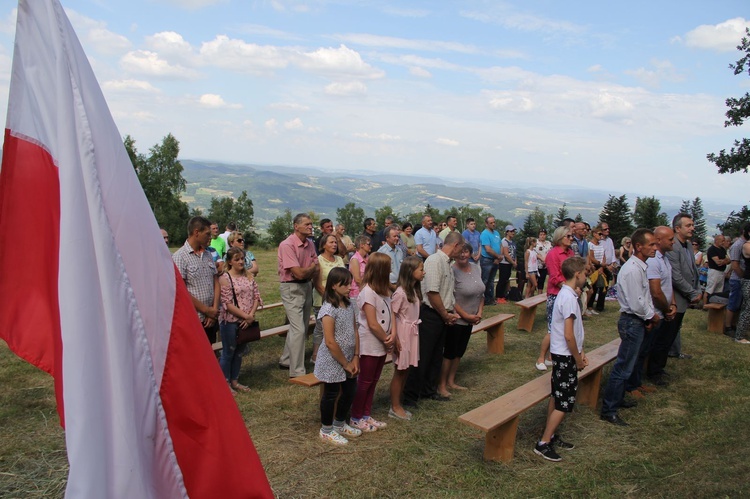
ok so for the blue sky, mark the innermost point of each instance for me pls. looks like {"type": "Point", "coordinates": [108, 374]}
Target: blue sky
{"type": "Point", "coordinates": [622, 97]}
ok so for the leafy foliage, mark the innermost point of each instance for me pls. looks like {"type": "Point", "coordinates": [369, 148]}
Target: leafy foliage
{"type": "Point", "coordinates": [616, 213]}
{"type": "Point", "coordinates": [648, 213]}
{"type": "Point", "coordinates": [160, 175]}
{"type": "Point", "coordinates": [280, 228]}
{"type": "Point", "coordinates": [382, 213]}
{"type": "Point", "coordinates": [732, 227]}
{"type": "Point", "coordinates": [240, 211]}
{"type": "Point", "coordinates": [352, 217]}
{"type": "Point", "coordinates": [738, 157]}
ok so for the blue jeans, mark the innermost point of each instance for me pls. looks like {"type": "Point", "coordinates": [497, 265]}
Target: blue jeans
{"type": "Point", "coordinates": [649, 339]}
{"type": "Point", "coordinates": [231, 355]}
{"type": "Point", "coordinates": [489, 270]}
{"type": "Point", "coordinates": [632, 330]}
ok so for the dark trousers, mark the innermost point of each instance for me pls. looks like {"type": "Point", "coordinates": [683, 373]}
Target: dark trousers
{"type": "Point", "coordinates": [489, 270]}
{"type": "Point", "coordinates": [657, 361]}
{"type": "Point", "coordinates": [501, 290]}
{"type": "Point", "coordinates": [601, 292]}
{"type": "Point", "coordinates": [211, 332]}
{"type": "Point", "coordinates": [649, 338]}
{"type": "Point", "coordinates": [331, 391]}
{"type": "Point", "coordinates": [541, 278]}
{"type": "Point", "coordinates": [632, 330]}
{"type": "Point", "coordinates": [422, 380]}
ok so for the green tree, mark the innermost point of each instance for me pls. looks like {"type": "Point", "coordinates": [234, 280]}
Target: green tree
{"type": "Point", "coordinates": [685, 206]}
{"type": "Point", "coordinates": [382, 213]}
{"type": "Point", "coordinates": [280, 228]}
{"type": "Point", "coordinates": [160, 175]}
{"type": "Point", "coordinates": [732, 226]}
{"type": "Point", "coordinates": [561, 215]}
{"type": "Point", "coordinates": [578, 218]}
{"type": "Point", "coordinates": [533, 222]}
{"type": "Point", "coordinates": [701, 232]}
{"type": "Point", "coordinates": [351, 217]}
{"type": "Point", "coordinates": [648, 213]}
{"type": "Point", "coordinates": [738, 157]}
{"type": "Point", "coordinates": [616, 213]}
{"type": "Point", "coordinates": [240, 211]}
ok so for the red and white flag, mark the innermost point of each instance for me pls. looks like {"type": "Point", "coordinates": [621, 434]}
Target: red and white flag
{"type": "Point", "coordinates": [96, 300]}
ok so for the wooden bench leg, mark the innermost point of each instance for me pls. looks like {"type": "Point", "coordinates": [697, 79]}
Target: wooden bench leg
{"type": "Point", "coordinates": [716, 320]}
{"type": "Point", "coordinates": [526, 319]}
{"type": "Point", "coordinates": [496, 339]}
{"type": "Point", "coordinates": [500, 443]}
{"type": "Point", "coordinates": [588, 389]}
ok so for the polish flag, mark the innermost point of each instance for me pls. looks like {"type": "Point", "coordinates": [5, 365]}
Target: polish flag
{"type": "Point", "coordinates": [97, 302]}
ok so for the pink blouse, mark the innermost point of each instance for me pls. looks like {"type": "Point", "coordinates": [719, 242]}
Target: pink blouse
{"type": "Point", "coordinates": [362, 261]}
{"type": "Point", "coordinates": [247, 293]}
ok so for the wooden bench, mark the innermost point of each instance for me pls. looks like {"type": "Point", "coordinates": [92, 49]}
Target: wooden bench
{"type": "Point", "coordinates": [274, 331]}
{"type": "Point", "coordinates": [495, 344]}
{"type": "Point", "coordinates": [716, 313]}
{"type": "Point", "coordinates": [528, 311]}
{"type": "Point", "coordinates": [499, 418]}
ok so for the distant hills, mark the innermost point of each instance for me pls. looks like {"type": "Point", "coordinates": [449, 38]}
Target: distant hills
{"type": "Point", "coordinates": [275, 188]}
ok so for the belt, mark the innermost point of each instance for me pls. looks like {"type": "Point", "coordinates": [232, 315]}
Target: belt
{"type": "Point", "coordinates": [297, 281]}
{"type": "Point", "coordinates": [632, 315]}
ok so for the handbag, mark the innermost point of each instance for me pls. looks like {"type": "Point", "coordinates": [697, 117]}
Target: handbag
{"type": "Point", "coordinates": [249, 333]}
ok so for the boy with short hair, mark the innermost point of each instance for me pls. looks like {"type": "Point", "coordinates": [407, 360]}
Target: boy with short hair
{"type": "Point", "coordinates": [566, 347]}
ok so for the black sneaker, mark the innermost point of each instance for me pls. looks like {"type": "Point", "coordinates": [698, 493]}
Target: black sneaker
{"type": "Point", "coordinates": [560, 443]}
{"type": "Point", "coordinates": [628, 404]}
{"type": "Point", "coordinates": [547, 452]}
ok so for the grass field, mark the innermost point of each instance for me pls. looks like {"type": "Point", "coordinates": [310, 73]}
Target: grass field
{"type": "Point", "coordinates": [687, 440]}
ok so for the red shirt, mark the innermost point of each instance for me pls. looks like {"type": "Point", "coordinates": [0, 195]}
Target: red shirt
{"type": "Point", "coordinates": [555, 258]}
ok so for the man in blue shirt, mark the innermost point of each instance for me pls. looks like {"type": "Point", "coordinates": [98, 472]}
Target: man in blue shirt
{"type": "Point", "coordinates": [472, 237]}
{"type": "Point", "coordinates": [425, 238]}
{"type": "Point", "coordinates": [490, 258]}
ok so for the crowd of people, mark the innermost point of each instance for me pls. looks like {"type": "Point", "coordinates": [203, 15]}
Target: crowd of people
{"type": "Point", "coordinates": [414, 295]}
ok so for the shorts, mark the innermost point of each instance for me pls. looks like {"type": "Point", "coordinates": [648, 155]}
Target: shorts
{"type": "Point", "coordinates": [735, 295]}
{"type": "Point", "coordinates": [715, 281]}
{"type": "Point", "coordinates": [564, 382]}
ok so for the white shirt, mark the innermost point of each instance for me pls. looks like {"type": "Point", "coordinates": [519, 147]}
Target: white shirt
{"type": "Point", "coordinates": [566, 305]}
{"type": "Point", "coordinates": [609, 250]}
{"type": "Point", "coordinates": [633, 292]}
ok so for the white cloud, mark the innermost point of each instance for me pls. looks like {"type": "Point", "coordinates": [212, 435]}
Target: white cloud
{"type": "Point", "coordinates": [402, 12]}
{"type": "Point", "coordinates": [149, 63]}
{"type": "Point", "coordinates": [347, 89]}
{"type": "Point", "coordinates": [94, 35]}
{"type": "Point", "coordinates": [271, 125]}
{"type": "Point", "coordinates": [380, 136]}
{"type": "Point", "coordinates": [417, 61]}
{"type": "Point", "coordinates": [171, 45]}
{"type": "Point", "coordinates": [508, 101]}
{"type": "Point", "coordinates": [447, 142]}
{"type": "Point", "coordinates": [295, 124]}
{"type": "Point", "coordinates": [195, 4]}
{"type": "Point", "coordinates": [722, 37]}
{"type": "Point", "coordinates": [215, 101]}
{"type": "Point", "coordinates": [238, 55]}
{"type": "Point", "coordinates": [132, 86]}
{"type": "Point", "coordinates": [337, 62]}
{"type": "Point", "coordinates": [608, 106]}
{"type": "Point", "coordinates": [369, 40]}
{"type": "Point", "coordinates": [420, 72]}
{"type": "Point", "coordinates": [288, 106]}
{"type": "Point", "coordinates": [505, 15]}
{"type": "Point", "coordinates": [259, 30]}
{"type": "Point", "coordinates": [663, 71]}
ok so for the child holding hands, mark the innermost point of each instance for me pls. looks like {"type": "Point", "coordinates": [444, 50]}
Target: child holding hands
{"type": "Point", "coordinates": [568, 357]}
{"type": "Point", "coordinates": [376, 337]}
{"type": "Point", "coordinates": [337, 364]}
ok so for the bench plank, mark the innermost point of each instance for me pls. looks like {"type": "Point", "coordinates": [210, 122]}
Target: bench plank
{"type": "Point", "coordinates": [499, 417]}
{"type": "Point", "coordinates": [528, 311]}
{"type": "Point", "coordinates": [716, 313]}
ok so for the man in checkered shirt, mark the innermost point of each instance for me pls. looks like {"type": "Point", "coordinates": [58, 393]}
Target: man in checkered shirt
{"type": "Point", "coordinates": [197, 268]}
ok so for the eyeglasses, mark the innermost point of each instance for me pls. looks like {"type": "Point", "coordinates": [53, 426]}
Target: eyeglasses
{"type": "Point", "coordinates": [599, 233]}
{"type": "Point", "coordinates": [569, 236]}
{"type": "Point", "coordinates": [607, 229]}
{"type": "Point", "coordinates": [239, 240]}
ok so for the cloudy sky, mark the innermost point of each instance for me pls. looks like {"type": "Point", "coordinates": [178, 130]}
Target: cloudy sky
{"type": "Point", "coordinates": [619, 96]}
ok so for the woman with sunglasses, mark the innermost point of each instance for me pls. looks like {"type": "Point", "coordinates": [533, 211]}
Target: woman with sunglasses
{"type": "Point", "coordinates": [235, 240]}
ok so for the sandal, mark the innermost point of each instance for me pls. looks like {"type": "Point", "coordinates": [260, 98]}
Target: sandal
{"type": "Point", "coordinates": [241, 388]}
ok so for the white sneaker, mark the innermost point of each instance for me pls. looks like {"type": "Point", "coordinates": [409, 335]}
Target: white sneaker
{"type": "Point", "coordinates": [363, 425]}
{"type": "Point", "coordinates": [588, 313]}
{"type": "Point", "coordinates": [541, 367]}
{"type": "Point", "coordinates": [348, 431]}
{"type": "Point", "coordinates": [594, 312]}
{"type": "Point", "coordinates": [548, 363]}
{"type": "Point", "coordinates": [333, 437]}
{"type": "Point", "coordinates": [743, 341]}
{"type": "Point", "coordinates": [375, 423]}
